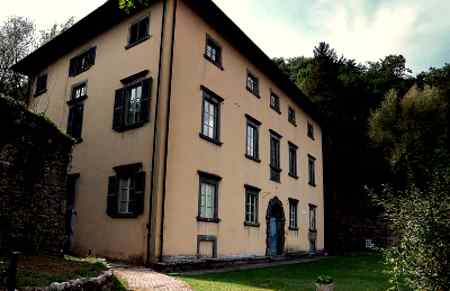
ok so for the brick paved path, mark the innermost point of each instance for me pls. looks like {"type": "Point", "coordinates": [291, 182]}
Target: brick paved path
{"type": "Point", "coordinates": [141, 279]}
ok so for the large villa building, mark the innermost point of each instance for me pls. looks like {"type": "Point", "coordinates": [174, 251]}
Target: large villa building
{"type": "Point", "coordinates": [191, 143]}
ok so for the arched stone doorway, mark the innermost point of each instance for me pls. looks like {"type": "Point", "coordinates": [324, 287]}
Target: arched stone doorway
{"type": "Point", "coordinates": [275, 228]}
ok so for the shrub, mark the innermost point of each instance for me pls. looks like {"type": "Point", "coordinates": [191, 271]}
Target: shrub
{"type": "Point", "coordinates": [325, 280]}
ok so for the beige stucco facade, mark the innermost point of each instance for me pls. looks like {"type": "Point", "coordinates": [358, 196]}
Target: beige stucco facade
{"type": "Point", "coordinates": [176, 109]}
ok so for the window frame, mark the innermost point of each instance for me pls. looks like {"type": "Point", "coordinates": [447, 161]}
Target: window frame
{"type": "Point", "coordinates": [255, 124]}
{"type": "Point", "coordinates": [211, 42]}
{"type": "Point", "coordinates": [210, 179]}
{"type": "Point", "coordinates": [310, 130]}
{"type": "Point", "coordinates": [312, 223]}
{"type": "Point", "coordinates": [256, 90]}
{"type": "Point", "coordinates": [292, 116]}
{"type": "Point", "coordinates": [39, 91]}
{"type": "Point", "coordinates": [143, 38]}
{"type": "Point", "coordinates": [293, 164]}
{"type": "Point", "coordinates": [275, 169]}
{"type": "Point", "coordinates": [73, 104]}
{"type": "Point", "coordinates": [251, 191]}
{"type": "Point", "coordinates": [293, 207]}
{"type": "Point", "coordinates": [214, 99]}
{"type": "Point", "coordinates": [311, 174]}
{"type": "Point", "coordinates": [277, 105]}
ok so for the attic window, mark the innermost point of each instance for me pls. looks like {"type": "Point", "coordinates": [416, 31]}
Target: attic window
{"type": "Point", "coordinates": [139, 31]}
{"type": "Point", "coordinates": [82, 63]}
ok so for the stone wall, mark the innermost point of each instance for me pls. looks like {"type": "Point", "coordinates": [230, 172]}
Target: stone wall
{"type": "Point", "coordinates": [34, 156]}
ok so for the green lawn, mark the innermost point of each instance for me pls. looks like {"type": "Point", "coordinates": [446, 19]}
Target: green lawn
{"type": "Point", "coordinates": [359, 272]}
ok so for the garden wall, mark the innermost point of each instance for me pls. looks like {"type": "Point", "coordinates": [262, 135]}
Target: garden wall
{"type": "Point", "coordinates": [34, 156]}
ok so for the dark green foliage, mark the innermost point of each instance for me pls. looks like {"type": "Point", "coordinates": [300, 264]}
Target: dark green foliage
{"type": "Point", "coordinates": [322, 279]}
{"type": "Point", "coordinates": [420, 259]}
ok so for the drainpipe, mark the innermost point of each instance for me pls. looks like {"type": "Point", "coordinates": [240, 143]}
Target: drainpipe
{"type": "Point", "coordinates": [166, 146]}
{"type": "Point", "coordinates": [155, 131]}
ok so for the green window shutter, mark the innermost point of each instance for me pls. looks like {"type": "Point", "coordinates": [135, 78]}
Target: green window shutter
{"type": "Point", "coordinates": [119, 108]}
{"type": "Point", "coordinates": [145, 100]}
{"type": "Point", "coordinates": [139, 193]}
{"type": "Point", "coordinates": [113, 187]}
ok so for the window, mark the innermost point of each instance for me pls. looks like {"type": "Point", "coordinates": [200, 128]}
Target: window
{"type": "Point", "coordinates": [213, 52]}
{"type": "Point", "coordinates": [208, 197]}
{"type": "Point", "coordinates": [291, 116]}
{"type": "Point", "coordinates": [132, 105]}
{"type": "Point", "coordinates": [75, 122]}
{"type": "Point", "coordinates": [310, 131]}
{"type": "Point", "coordinates": [293, 216]}
{"type": "Point", "coordinates": [312, 170]}
{"type": "Point", "coordinates": [82, 63]}
{"type": "Point", "coordinates": [126, 192]}
{"type": "Point", "coordinates": [41, 85]}
{"type": "Point", "coordinates": [210, 129]}
{"type": "Point", "coordinates": [139, 32]}
{"type": "Point", "coordinates": [251, 205]}
{"type": "Point", "coordinates": [312, 217]}
{"type": "Point", "coordinates": [275, 169]}
{"type": "Point", "coordinates": [252, 84]}
{"type": "Point", "coordinates": [252, 138]}
{"type": "Point", "coordinates": [76, 111]}
{"type": "Point", "coordinates": [275, 102]}
{"type": "Point", "coordinates": [79, 91]}
{"type": "Point", "coordinates": [293, 160]}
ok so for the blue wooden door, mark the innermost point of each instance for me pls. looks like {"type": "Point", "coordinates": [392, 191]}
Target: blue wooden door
{"type": "Point", "coordinates": [274, 233]}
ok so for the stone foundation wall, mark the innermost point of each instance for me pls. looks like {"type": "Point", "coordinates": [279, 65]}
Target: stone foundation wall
{"type": "Point", "coordinates": [34, 156]}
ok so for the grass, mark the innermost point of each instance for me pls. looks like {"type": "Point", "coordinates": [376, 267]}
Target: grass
{"type": "Point", "coordinates": [41, 271]}
{"type": "Point", "coordinates": [351, 273]}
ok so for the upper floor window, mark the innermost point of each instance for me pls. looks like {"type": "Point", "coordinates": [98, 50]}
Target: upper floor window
{"type": "Point", "coordinates": [275, 168]}
{"type": "Point", "coordinates": [291, 116]}
{"type": "Point", "coordinates": [208, 197]}
{"type": "Point", "coordinates": [76, 111]}
{"type": "Point", "coordinates": [251, 205]}
{"type": "Point", "coordinates": [213, 52]}
{"type": "Point", "coordinates": [310, 131]}
{"type": "Point", "coordinates": [126, 191]}
{"type": "Point", "coordinates": [132, 104]}
{"type": "Point", "coordinates": [252, 84]}
{"type": "Point", "coordinates": [41, 85]}
{"type": "Point", "coordinates": [139, 31]}
{"type": "Point", "coordinates": [293, 214]}
{"type": "Point", "coordinates": [293, 160]}
{"type": "Point", "coordinates": [312, 217]}
{"type": "Point", "coordinates": [275, 102]}
{"type": "Point", "coordinates": [82, 63]}
{"type": "Point", "coordinates": [312, 170]}
{"type": "Point", "coordinates": [211, 116]}
{"type": "Point", "coordinates": [252, 138]}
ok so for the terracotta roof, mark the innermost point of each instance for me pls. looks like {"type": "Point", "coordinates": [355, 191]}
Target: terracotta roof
{"type": "Point", "coordinates": [108, 15]}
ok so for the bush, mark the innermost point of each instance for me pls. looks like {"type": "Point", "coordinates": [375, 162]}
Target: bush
{"type": "Point", "coordinates": [420, 218]}
{"type": "Point", "coordinates": [324, 280]}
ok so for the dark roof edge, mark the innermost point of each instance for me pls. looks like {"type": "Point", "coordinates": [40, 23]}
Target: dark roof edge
{"type": "Point", "coordinates": [215, 17]}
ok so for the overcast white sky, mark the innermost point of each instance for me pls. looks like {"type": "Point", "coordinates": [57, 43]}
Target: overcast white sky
{"type": "Point", "coordinates": [365, 30]}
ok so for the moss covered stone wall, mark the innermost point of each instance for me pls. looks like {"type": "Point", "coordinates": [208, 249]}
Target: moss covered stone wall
{"type": "Point", "coordinates": [34, 156]}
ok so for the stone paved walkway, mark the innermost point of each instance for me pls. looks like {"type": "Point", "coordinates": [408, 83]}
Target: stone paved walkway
{"type": "Point", "coordinates": [141, 279]}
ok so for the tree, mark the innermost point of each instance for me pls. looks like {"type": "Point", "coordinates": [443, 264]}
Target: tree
{"type": "Point", "coordinates": [17, 39]}
{"type": "Point", "coordinates": [48, 34]}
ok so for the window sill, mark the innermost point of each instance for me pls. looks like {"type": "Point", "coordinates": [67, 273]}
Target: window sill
{"type": "Point", "coordinates": [276, 110]}
{"type": "Point", "coordinates": [211, 140]}
{"type": "Point", "coordinates": [78, 140]}
{"type": "Point", "coordinates": [37, 94]}
{"type": "Point", "coordinates": [124, 216]}
{"type": "Point", "coordinates": [311, 137]}
{"type": "Point", "coordinates": [254, 93]}
{"type": "Point", "coordinates": [253, 158]}
{"type": "Point", "coordinates": [313, 230]}
{"type": "Point", "coordinates": [76, 100]}
{"type": "Point", "coordinates": [210, 220]}
{"type": "Point", "coordinates": [217, 64]}
{"type": "Point", "coordinates": [293, 228]}
{"type": "Point", "coordinates": [130, 45]}
{"type": "Point", "coordinates": [251, 224]}
{"type": "Point", "coordinates": [293, 176]}
{"type": "Point", "coordinates": [293, 123]}
{"type": "Point", "coordinates": [312, 184]}
{"type": "Point", "coordinates": [130, 127]}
